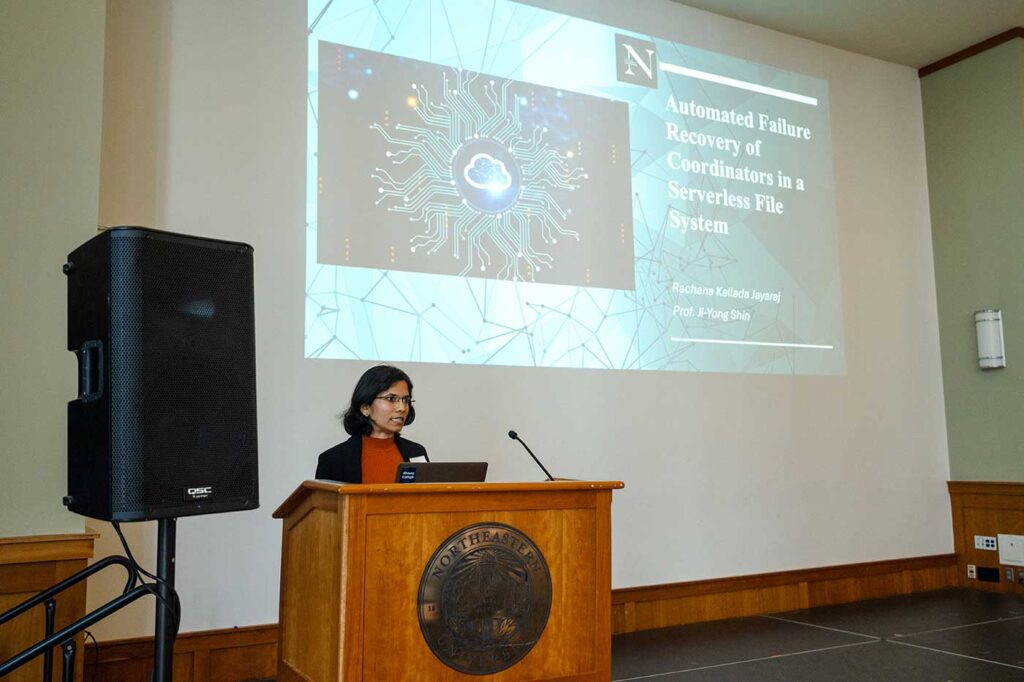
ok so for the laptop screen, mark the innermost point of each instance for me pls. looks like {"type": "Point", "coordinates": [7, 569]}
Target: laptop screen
{"type": "Point", "coordinates": [441, 472]}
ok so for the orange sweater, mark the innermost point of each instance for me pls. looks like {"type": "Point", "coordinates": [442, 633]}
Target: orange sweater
{"type": "Point", "coordinates": [380, 460]}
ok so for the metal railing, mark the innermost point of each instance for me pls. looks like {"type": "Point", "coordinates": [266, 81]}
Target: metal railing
{"type": "Point", "coordinates": [65, 637]}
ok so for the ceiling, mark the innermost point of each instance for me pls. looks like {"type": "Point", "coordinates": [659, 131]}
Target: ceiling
{"type": "Point", "coordinates": [910, 32]}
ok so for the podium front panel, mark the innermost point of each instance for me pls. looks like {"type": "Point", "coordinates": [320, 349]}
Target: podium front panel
{"type": "Point", "coordinates": [380, 541]}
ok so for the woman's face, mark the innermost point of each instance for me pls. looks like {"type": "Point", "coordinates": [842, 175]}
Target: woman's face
{"type": "Point", "coordinates": [388, 418]}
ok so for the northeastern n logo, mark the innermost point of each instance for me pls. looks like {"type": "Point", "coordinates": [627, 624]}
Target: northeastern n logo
{"type": "Point", "coordinates": [484, 598]}
{"type": "Point", "coordinates": [636, 61]}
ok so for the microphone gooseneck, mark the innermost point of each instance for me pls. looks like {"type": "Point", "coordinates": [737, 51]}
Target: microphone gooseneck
{"type": "Point", "coordinates": [515, 436]}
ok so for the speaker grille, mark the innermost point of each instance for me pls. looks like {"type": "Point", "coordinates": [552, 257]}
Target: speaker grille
{"type": "Point", "coordinates": [182, 384]}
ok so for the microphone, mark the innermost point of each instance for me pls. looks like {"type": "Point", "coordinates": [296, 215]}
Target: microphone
{"type": "Point", "coordinates": [515, 436]}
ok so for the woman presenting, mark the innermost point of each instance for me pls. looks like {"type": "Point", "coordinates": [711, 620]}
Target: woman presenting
{"type": "Point", "coordinates": [381, 405]}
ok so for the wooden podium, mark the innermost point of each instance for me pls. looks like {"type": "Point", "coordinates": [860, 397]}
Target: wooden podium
{"type": "Point", "coordinates": [353, 560]}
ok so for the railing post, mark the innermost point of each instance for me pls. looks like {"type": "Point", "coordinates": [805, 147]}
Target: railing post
{"type": "Point", "coordinates": [51, 612]}
{"type": "Point", "coordinates": [69, 660]}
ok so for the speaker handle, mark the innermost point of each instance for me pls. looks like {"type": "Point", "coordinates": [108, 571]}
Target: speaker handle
{"type": "Point", "coordinates": [90, 375]}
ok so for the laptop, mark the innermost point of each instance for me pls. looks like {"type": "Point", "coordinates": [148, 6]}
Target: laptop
{"type": "Point", "coordinates": [441, 472]}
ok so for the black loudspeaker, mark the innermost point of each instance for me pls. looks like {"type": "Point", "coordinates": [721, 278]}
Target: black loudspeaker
{"type": "Point", "coordinates": [165, 421]}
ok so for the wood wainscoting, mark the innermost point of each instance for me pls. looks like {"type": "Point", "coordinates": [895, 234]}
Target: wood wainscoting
{"type": "Point", "coordinates": [990, 509]}
{"type": "Point", "coordinates": [232, 654]}
{"type": "Point", "coordinates": [659, 606]}
{"type": "Point", "coordinates": [29, 565]}
{"type": "Point", "coordinates": [250, 653]}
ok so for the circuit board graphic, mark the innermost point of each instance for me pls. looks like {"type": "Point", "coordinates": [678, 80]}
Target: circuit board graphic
{"type": "Point", "coordinates": [478, 179]}
{"type": "Point", "coordinates": [472, 175]}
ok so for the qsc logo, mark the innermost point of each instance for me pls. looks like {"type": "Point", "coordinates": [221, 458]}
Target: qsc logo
{"type": "Point", "coordinates": [199, 492]}
{"type": "Point", "coordinates": [636, 61]}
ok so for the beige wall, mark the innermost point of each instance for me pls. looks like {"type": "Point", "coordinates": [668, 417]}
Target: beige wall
{"type": "Point", "coordinates": [974, 127]}
{"type": "Point", "coordinates": [51, 73]}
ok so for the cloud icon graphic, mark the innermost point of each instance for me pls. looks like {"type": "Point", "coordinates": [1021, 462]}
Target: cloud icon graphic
{"type": "Point", "coordinates": [486, 172]}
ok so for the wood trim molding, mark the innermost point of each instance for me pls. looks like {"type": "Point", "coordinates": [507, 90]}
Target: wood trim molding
{"type": "Point", "coordinates": [134, 647]}
{"type": "Point", "coordinates": [781, 578]}
{"type": "Point", "coordinates": [243, 653]}
{"type": "Point", "coordinates": [985, 488]}
{"type": "Point", "coordinates": [658, 606]}
{"type": "Point", "coordinates": [994, 41]}
{"type": "Point", "coordinates": [33, 548]}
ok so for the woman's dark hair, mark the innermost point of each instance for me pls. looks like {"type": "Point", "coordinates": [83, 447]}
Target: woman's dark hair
{"type": "Point", "coordinates": [374, 381]}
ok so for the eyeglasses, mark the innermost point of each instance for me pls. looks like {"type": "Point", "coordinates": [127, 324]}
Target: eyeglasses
{"type": "Point", "coordinates": [394, 399]}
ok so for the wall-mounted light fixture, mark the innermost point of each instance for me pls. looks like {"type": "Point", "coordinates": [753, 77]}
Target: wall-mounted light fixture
{"type": "Point", "coordinates": [991, 350]}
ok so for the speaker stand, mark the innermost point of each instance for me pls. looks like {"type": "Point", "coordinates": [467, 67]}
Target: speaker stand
{"type": "Point", "coordinates": [163, 645]}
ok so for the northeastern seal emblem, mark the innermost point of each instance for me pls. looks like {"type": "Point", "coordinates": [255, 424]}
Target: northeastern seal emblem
{"type": "Point", "coordinates": [484, 598]}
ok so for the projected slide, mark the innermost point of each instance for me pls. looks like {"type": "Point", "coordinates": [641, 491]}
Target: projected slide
{"type": "Point", "coordinates": [492, 183]}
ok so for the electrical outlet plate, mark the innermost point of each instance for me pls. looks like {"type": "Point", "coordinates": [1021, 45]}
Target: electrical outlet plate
{"type": "Point", "coordinates": [972, 572]}
{"type": "Point", "coordinates": [986, 542]}
{"type": "Point", "coordinates": [1011, 550]}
